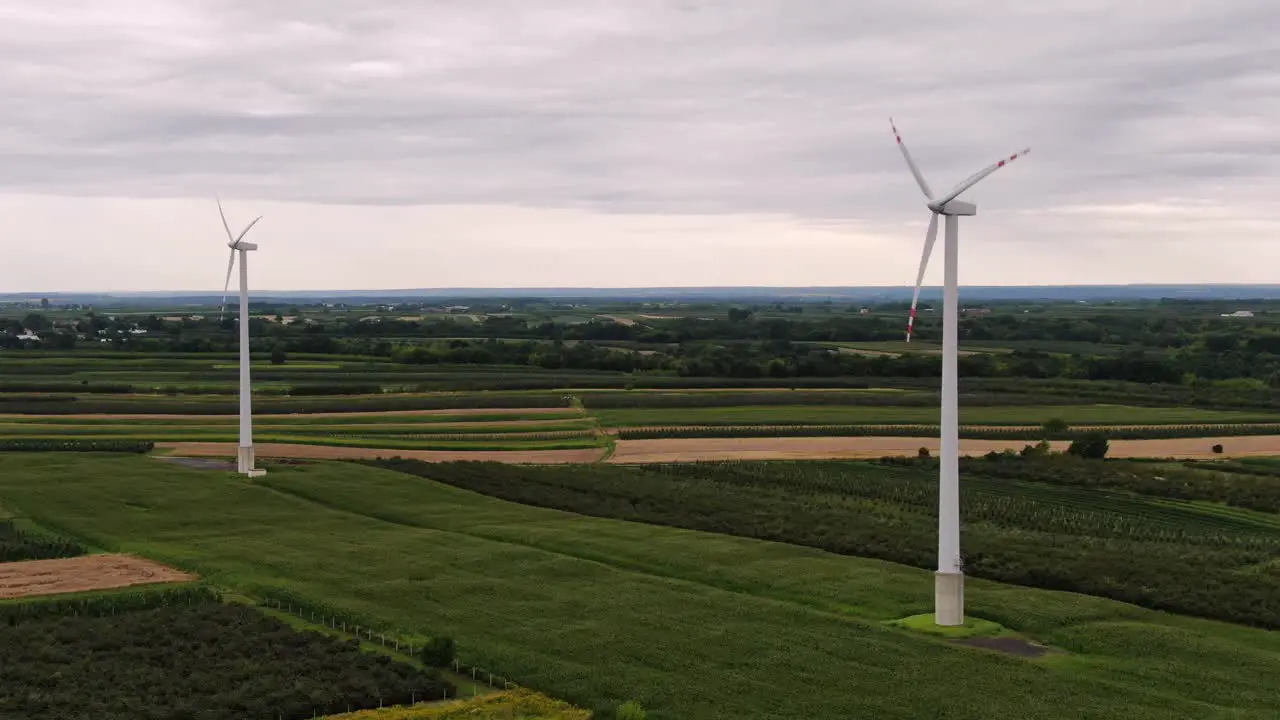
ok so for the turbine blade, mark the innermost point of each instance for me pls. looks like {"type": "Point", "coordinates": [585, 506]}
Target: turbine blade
{"type": "Point", "coordinates": [231, 261]}
{"type": "Point", "coordinates": [929, 237]}
{"type": "Point", "coordinates": [223, 215]}
{"type": "Point", "coordinates": [974, 178]}
{"type": "Point", "coordinates": [924, 186]}
{"type": "Point", "coordinates": [247, 228]}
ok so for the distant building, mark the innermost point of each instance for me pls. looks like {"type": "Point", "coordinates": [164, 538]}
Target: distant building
{"type": "Point", "coordinates": [28, 335]}
{"type": "Point", "coordinates": [1239, 313]}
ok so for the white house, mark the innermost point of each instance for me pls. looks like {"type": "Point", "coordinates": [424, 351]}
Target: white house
{"type": "Point", "coordinates": [1239, 313]}
{"type": "Point", "coordinates": [28, 335]}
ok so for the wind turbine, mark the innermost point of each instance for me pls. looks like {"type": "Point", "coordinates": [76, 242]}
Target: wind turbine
{"type": "Point", "coordinates": [244, 455]}
{"type": "Point", "coordinates": [949, 580]}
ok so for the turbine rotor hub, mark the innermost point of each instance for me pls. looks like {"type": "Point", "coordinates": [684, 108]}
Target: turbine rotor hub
{"type": "Point", "coordinates": [955, 207]}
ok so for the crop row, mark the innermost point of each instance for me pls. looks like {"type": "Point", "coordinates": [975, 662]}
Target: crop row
{"type": "Point", "coordinates": [208, 660]}
{"type": "Point", "coordinates": [115, 602]}
{"type": "Point", "coordinates": [1252, 491]}
{"type": "Point", "coordinates": [1170, 556]}
{"type": "Point", "coordinates": [868, 398]}
{"type": "Point", "coordinates": [1134, 432]}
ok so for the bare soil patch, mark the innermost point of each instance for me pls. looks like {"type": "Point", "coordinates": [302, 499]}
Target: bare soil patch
{"type": "Point", "coordinates": [1009, 645]}
{"type": "Point", "coordinates": [620, 320]}
{"type": "Point", "coordinates": [325, 452]}
{"type": "Point", "coordinates": [816, 448]}
{"type": "Point", "coordinates": [197, 463]}
{"type": "Point", "coordinates": [91, 572]}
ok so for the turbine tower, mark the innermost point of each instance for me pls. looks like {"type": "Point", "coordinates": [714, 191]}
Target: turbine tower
{"type": "Point", "coordinates": [949, 580]}
{"type": "Point", "coordinates": [244, 455]}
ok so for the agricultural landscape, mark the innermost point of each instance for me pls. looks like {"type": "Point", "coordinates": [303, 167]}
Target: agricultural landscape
{"type": "Point", "coordinates": [613, 508]}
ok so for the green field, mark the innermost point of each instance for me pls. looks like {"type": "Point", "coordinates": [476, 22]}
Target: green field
{"type": "Point", "coordinates": [693, 625]}
{"type": "Point", "coordinates": [485, 430]}
{"type": "Point", "coordinates": [889, 415]}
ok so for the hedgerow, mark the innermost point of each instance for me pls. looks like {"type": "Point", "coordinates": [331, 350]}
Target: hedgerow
{"type": "Point", "coordinates": [74, 445]}
{"type": "Point", "coordinates": [17, 544]}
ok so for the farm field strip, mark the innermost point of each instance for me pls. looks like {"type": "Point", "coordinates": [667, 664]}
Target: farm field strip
{"type": "Point", "coordinates": [434, 415]}
{"type": "Point", "coordinates": [821, 448]}
{"type": "Point", "coordinates": [302, 451]}
{"type": "Point", "coordinates": [1076, 415]}
{"type": "Point", "coordinates": [999, 432]}
{"type": "Point", "coordinates": [708, 449]}
{"type": "Point", "coordinates": [699, 626]}
{"type": "Point", "coordinates": [29, 427]}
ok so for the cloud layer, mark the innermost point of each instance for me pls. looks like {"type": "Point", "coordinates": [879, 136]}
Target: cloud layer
{"type": "Point", "coordinates": [1155, 135]}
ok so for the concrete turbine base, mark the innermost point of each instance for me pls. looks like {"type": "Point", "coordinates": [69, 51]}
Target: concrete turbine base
{"type": "Point", "coordinates": [244, 462]}
{"type": "Point", "coordinates": [948, 597]}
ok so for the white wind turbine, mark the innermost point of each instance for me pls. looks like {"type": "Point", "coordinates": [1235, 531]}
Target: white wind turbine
{"type": "Point", "coordinates": [244, 456]}
{"type": "Point", "coordinates": [949, 580]}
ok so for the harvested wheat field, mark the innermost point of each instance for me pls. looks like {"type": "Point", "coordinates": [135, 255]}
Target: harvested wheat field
{"type": "Point", "coordinates": [327, 452]}
{"type": "Point", "coordinates": [78, 574]}
{"type": "Point", "coordinates": [818, 448]}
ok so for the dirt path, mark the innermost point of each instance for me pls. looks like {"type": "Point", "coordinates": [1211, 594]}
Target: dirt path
{"type": "Point", "coordinates": [815, 448]}
{"type": "Point", "coordinates": [326, 452]}
{"type": "Point", "coordinates": [78, 574]}
{"type": "Point", "coordinates": [266, 417]}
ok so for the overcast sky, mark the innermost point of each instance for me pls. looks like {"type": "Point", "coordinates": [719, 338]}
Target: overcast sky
{"type": "Point", "coordinates": [501, 143]}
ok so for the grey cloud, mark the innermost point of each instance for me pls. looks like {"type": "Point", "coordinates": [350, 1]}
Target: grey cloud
{"type": "Point", "coordinates": [692, 106]}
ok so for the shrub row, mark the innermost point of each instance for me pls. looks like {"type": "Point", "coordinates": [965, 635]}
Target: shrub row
{"type": "Point", "coordinates": [109, 603]}
{"type": "Point", "coordinates": [74, 445]}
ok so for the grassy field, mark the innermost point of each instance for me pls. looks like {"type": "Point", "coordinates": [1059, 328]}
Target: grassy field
{"type": "Point", "coordinates": [854, 414]}
{"type": "Point", "coordinates": [493, 429]}
{"type": "Point", "coordinates": [693, 625]}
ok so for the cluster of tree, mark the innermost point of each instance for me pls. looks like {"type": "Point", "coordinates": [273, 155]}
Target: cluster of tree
{"type": "Point", "coordinates": [1164, 348]}
{"type": "Point", "coordinates": [1038, 543]}
{"type": "Point", "coordinates": [208, 661]}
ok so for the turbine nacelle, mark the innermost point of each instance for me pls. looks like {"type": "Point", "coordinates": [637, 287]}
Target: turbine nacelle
{"type": "Point", "coordinates": [955, 207]}
{"type": "Point", "coordinates": [244, 245]}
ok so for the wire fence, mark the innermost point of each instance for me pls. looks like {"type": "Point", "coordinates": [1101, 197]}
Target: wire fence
{"type": "Point", "coordinates": [391, 641]}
